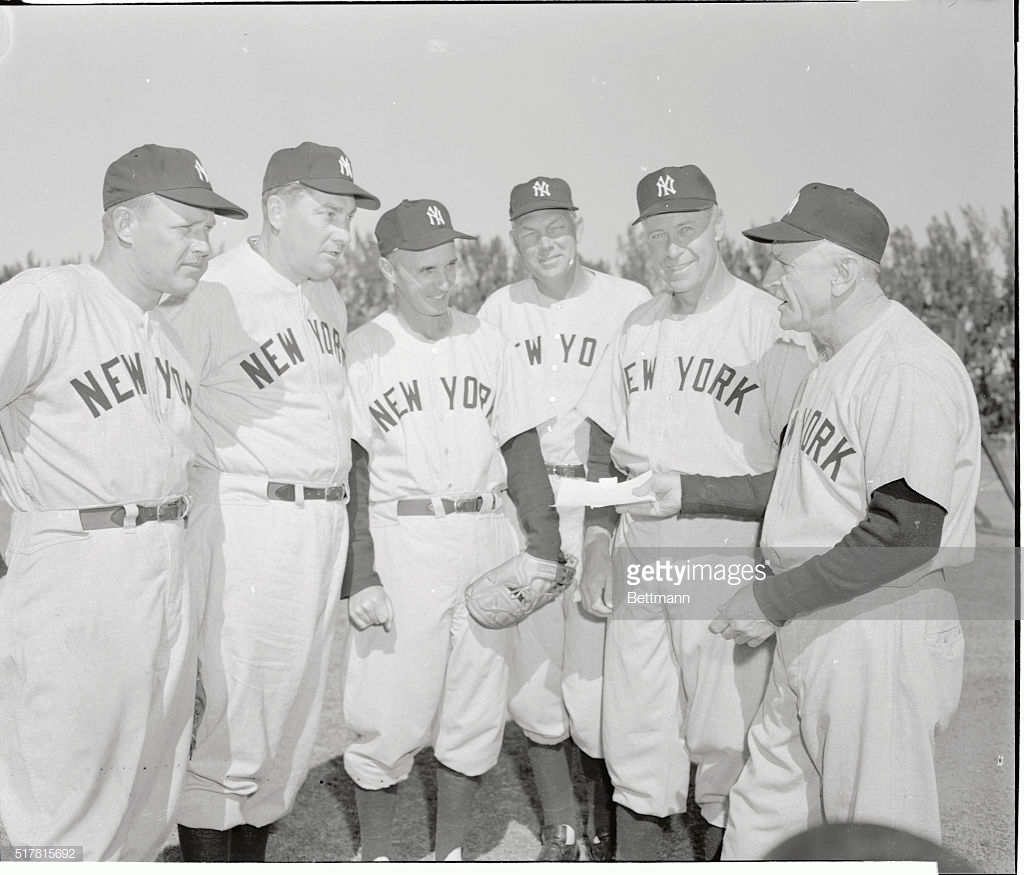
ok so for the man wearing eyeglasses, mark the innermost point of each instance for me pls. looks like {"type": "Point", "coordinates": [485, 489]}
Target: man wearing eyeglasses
{"type": "Point", "coordinates": [560, 319]}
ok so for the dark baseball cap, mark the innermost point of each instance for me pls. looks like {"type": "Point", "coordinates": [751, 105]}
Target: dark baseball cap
{"type": "Point", "coordinates": [176, 174]}
{"type": "Point", "coordinates": [540, 193]}
{"type": "Point", "coordinates": [824, 212]}
{"type": "Point", "coordinates": [325, 168]}
{"type": "Point", "coordinates": [674, 190]}
{"type": "Point", "coordinates": [415, 226]}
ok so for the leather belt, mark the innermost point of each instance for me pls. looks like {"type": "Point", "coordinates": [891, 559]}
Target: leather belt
{"type": "Point", "coordinates": [286, 492]}
{"type": "Point", "coordinates": [113, 517]}
{"type": "Point", "coordinates": [577, 471]}
{"type": "Point", "coordinates": [426, 506]}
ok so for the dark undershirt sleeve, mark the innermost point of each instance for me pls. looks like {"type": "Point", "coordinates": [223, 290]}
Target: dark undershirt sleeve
{"type": "Point", "coordinates": [599, 467]}
{"type": "Point", "coordinates": [902, 531]}
{"type": "Point", "coordinates": [743, 497]}
{"type": "Point", "coordinates": [359, 573]}
{"type": "Point", "coordinates": [530, 491]}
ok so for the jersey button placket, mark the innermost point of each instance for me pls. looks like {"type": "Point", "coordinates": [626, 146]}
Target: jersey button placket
{"type": "Point", "coordinates": [154, 394]}
{"type": "Point", "coordinates": [305, 315]}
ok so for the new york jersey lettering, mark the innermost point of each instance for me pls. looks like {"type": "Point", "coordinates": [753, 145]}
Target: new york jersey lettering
{"type": "Point", "coordinates": [820, 441]}
{"type": "Point", "coordinates": [281, 352]}
{"type": "Point", "coordinates": [465, 392]}
{"type": "Point", "coordinates": [569, 349]}
{"type": "Point", "coordinates": [123, 378]}
{"type": "Point", "coordinates": [706, 376]}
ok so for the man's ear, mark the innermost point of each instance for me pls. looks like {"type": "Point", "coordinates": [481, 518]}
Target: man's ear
{"type": "Point", "coordinates": [388, 269]}
{"type": "Point", "coordinates": [122, 221]}
{"type": "Point", "coordinates": [275, 211]}
{"type": "Point", "coordinates": [578, 221]}
{"type": "Point", "coordinates": [719, 223]}
{"type": "Point", "coordinates": [848, 271]}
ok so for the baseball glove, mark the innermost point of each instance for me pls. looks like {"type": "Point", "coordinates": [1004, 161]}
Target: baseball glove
{"type": "Point", "coordinates": [517, 588]}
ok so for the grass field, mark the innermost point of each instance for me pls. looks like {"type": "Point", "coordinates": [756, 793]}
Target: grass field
{"type": "Point", "coordinates": [975, 757]}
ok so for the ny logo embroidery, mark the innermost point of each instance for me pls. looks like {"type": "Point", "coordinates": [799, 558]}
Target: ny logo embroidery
{"type": "Point", "coordinates": [201, 172]}
{"type": "Point", "coordinates": [666, 186]}
{"type": "Point", "coordinates": [540, 189]}
{"type": "Point", "coordinates": [434, 215]}
{"type": "Point", "coordinates": [345, 165]}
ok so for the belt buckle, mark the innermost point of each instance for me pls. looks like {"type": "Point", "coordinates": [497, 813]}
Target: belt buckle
{"type": "Point", "coordinates": [172, 509]}
{"type": "Point", "coordinates": [468, 505]}
{"type": "Point", "coordinates": [334, 493]}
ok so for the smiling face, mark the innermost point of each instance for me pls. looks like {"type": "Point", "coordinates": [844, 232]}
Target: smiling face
{"type": "Point", "coordinates": [314, 229]}
{"type": "Point", "coordinates": [685, 249]}
{"type": "Point", "coordinates": [170, 244]}
{"type": "Point", "coordinates": [547, 241]}
{"type": "Point", "coordinates": [800, 275]}
{"type": "Point", "coordinates": [424, 281]}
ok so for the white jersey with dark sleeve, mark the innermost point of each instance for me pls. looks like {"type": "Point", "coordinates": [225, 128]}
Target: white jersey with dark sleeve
{"type": "Point", "coordinates": [271, 397]}
{"type": "Point", "coordinates": [561, 342]}
{"type": "Point", "coordinates": [708, 393]}
{"type": "Point", "coordinates": [95, 395]}
{"type": "Point", "coordinates": [895, 403]}
{"type": "Point", "coordinates": [433, 415]}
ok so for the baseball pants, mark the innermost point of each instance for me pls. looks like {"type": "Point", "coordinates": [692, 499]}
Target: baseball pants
{"type": "Point", "coordinates": [847, 729]}
{"type": "Point", "coordinates": [674, 693]}
{"type": "Point", "coordinates": [97, 684]}
{"type": "Point", "coordinates": [437, 678]}
{"type": "Point", "coordinates": [557, 660]}
{"type": "Point", "coordinates": [272, 574]}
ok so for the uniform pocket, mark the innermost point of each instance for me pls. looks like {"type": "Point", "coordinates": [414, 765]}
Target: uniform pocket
{"type": "Point", "coordinates": [947, 642]}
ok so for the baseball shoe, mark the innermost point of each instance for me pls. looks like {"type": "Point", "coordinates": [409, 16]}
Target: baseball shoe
{"type": "Point", "coordinates": [600, 848]}
{"type": "Point", "coordinates": [558, 845]}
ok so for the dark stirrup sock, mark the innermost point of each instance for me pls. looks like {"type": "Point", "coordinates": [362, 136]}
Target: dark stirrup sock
{"type": "Point", "coordinates": [550, 765]}
{"type": "Point", "coordinates": [455, 795]}
{"type": "Point", "coordinates": [376, 811]}
{"type": "Point", "coordinates": [601, 816]}
{"type": "Point", "coordinates": [637, 836]}
{"type": "Point", "coordinates": [200, 845]}
{"type": "Point", "coordinates": [249, 843]}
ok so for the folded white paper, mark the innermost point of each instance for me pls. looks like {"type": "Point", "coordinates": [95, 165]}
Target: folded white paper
{"type": "Point", "coordinates": [606, 492]}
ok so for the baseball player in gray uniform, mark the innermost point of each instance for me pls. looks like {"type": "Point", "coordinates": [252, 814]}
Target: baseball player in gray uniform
{"type": "Point", "coordinates": [269, 533]}
{"type": "Point", "coordinates": [97, 641]}
{"type": "Point", "coordinates": [561, 318]}
{"type": "Point", "coordinates": [701, 378]}
{"type": "Point", "coordinates": [446, 429]}
{"type": "Point", "coordinates": [873, 497]}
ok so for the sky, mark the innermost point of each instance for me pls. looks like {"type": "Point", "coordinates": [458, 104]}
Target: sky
{"type": "Point", "coordinates": [910, 103]}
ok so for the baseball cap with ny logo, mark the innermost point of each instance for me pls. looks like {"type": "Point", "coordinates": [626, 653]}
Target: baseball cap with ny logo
{"type": "Point", "coordinates": [325, 168]}
{"type": "Point", "coordinates": [540, 193]}
{"type": "Point", "coordinates": [176, 174]}
{"type": "Point", "coordinates": [416, 226]}
{"type": "Point", "coordinates": [674, 190]}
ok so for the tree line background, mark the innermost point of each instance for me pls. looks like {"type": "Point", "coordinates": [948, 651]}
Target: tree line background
{"type": "Point", "coordinates": [961, 281]}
